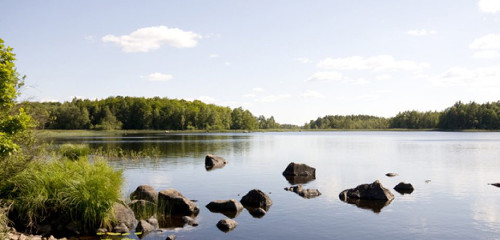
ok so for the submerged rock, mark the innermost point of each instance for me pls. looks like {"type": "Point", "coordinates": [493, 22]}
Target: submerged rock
{"type": "Point", "coordinates": [256, 198]}
{"type": "Point", "coordinates": [373, 191]}
{"type": "Point", "coordinates": [145, 192]}
{"type": "Point", "coordinates": [299, 169]}
{"type": "Point", "coordinates": [404, 188]}
{"type": "Point", "coordinates": [305, 193]}
{"type": "Point", "coordinates": [226, 225]}
{"type": "Point", "coordinates": [213, 161]}
{"type": "Point", "coordinates": [172, 202]}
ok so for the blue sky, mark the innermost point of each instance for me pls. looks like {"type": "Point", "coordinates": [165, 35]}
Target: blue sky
{"type": "Point", "coordinates": [295, 60]}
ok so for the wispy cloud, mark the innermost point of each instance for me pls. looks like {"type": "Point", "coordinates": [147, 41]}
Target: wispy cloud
{"type": "Point", "coordinates": [303, 60]}
{"type": "Point", "coordinates": [421, 32]}
{"type": "Point", "coordinates": [489, 6]}
{"type": "Point", "coordinates": [273, 98]}
{"type": "Point", "coordinates": [487, 46]}
{"type": "Point", "coordinates": [151, 38]}
{"type": "Point", "coordinates": [213, 55]}
{"type": "Point", "coordinates": [378, 63]}
{"type": "Point", "coordinates": [463, 77]}
{"type": "Point", "coordinates": [324, 76]}
{"type": "Point", "coordinates": [158, 77]}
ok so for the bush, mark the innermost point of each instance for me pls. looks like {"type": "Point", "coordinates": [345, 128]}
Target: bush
{"type": "Point", "coordinates": [69, 191]}
{"type": "Point", "coordinates": [74, 151]}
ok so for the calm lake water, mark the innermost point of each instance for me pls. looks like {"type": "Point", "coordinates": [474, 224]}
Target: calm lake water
{"type": "Point", "coordinates": [457, 202]}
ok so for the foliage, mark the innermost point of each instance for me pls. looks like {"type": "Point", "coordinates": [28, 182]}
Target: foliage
{"type": "Point", "coordinates": [471, 116]}
{"type": "Point", "coordinates": [69, 190]}
{"type": "Point", "coordinates": [415, 120]}
{"type": "Point", "coordinates": [3, 222]}
{"type": "Point", "coordinates": [74, 151]}
{"type": "Point", "coordinates": [348, 122]}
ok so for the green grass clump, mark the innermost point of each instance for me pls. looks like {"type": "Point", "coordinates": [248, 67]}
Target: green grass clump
{"type": "Point", "coordinates": [70, 191]}
{"type": "Point", "coordinates": [74, 151]}
{"type": "Point", "coordinates": [118, 152]}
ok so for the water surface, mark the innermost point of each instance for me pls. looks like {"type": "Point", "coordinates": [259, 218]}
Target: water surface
{"type": "Point", "coordinates": [457, 202]}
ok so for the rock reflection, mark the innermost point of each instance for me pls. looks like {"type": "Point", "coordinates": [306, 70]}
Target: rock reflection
{"type": "Point", "coordinates": [257, 212]}
{"type": "Point", "coordinates": [403, 191]}
{"type": "Point", "coordinates": [294, 180]}
{"type": "Point", "coordinates": [172, 222]}
{"type": "Point", "coordinates": [229, 214]}
{"type": "Point", "coordinates": [374, 205]}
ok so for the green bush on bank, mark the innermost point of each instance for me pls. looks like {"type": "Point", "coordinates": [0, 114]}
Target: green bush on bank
{"type": "Point", "coordinates": [71, 191]}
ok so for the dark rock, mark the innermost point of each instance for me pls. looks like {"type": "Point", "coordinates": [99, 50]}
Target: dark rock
{"type": "Point", "coordinates": [305, 193]}
{"type": "Point", "coordinates": [256, 198]}
{"type": "Point", "coordinates": [299, 169]}
{"type": "Point", "coordinates": [374, 191]}
{"type": "Point", "coordinates": [73, 228]}
{"type": "Point", "coordinates": [225, 205]}
{"type": "Point", "coordinates": [391, 174]}
{"type": "Point", "coordinates": [427, 181]}
{"type": "Point", "coordinates": [299, 179]}
{"type": "Point", "coordinates": [123, 214]}
{"type": "Point", "coordinates": [213, 161]}
{"type": "Point", "coordinates": [101, 230]}
{"type": "Point", "coordinates": [172, 202]}
{"type": "Point", "coordinates": [495, 184]}
{"type": "Point", "coordinates": [227, 225]}
{"type": "Point", "coordinates": [121, 228]}
{"type": "Point", "coordinates": [404, 188]}
{"type": "Point", "coordinates": [145, 192]}
{"type": "Point", "coordinates": [144, 227]}
{"type": "Point", "coordinates": [143, 209]}
{"type": "Point", "coordinates": [190, 221]}
{"type": "Point", "coordinates": [153, 221]}
{"type": "Point", "coordinates": [170, 237]}
{"type": "Point", "coordinates": [257, 212]}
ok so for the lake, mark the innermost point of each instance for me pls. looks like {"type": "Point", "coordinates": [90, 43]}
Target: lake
{"type": "Point", "coordinates": [450, 172]}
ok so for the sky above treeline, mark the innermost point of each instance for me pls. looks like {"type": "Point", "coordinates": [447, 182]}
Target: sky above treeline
{"type": "Point", "coordinates": [294, 60]}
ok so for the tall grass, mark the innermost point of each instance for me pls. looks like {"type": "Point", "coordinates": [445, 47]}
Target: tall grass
{"type": "Point", "coordinates": [3, 223]}
{"type": "Point", "coordinates": [118, 152]}
{"type": "Point", "coordinates": [74, 191]}
{"type": "Point", "coordinates": [74, 151]}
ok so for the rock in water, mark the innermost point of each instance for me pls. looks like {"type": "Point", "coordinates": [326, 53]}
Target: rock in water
{"type": "Point", "coordinates": [144, 226]}
{"type": "Point", "coordinates": [256, 198]}
{"type": "Point", "coordinates": [145, 192]}
{"type": "Point", "coordinates": [190, 221]}
{"type": "Point", "coordinates": [305, 193]}
{"type": "Point", "coordinates": [124, 216]}
{"type": "Point", "coordinates": [172, 202]}
{"type": "Point", "coordinates": [374, 191]}
{"type": "Point", "coordinates": [495, 184]}
{"type": "Point", "coordinates": [171, 237]}
{"type": "Point", "coordinates": [226, 225]}
{"type": "Point", "coordinates": [404, 188]}
{"type": "Point", "coordinates": [299, 169]}
{"type": "Point", "coordinates": [213, 161]}
{"type": "Point", "coordinates": [225, 206]}
{"type": "Point", "coordinates": [391, 174]}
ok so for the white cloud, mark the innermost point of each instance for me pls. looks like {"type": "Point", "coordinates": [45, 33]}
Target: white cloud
{"type": "Point", "coordinates": [487, 42]}
{"type": "Point", "coordinates": [377, 63]}
{"type": "Point", "coordinates": [324, 76]}
{"type": "Point", "coordinates": [489, 6]}
{"type": "Point", "coordinates": [227, 63]}
{"type": "Point", "coordinates": [462, 77]}
{"type": "Point", "coordinates": [151, 38]}
{"type": "Point", "coordinates": [213, 55]}
{"type": "Point", "coordinates": [273, 98]}
{"type": "Point", "coordinates": [303, 60]}
{"type": "Point", "coordinates": [487, 54]}
{"type": "Point", "coordinates": [158, 77]}
{"type": "Point", "coordinates": [421, 32]}
{"type": "Point", "coordinates": [312, 94]}
{"type": "Point", "coordinates": [250, 95]}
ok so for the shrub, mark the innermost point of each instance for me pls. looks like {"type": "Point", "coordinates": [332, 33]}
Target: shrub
{"type": "Point", "coordinates": [74, 151]}
{"type": "Point", "coordinates": [71, 191]}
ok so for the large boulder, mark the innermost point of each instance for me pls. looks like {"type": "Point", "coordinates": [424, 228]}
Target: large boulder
{"type": "Point", "coordinates": [214, 161]}
{"type": "Point", "coordinates": [226, 225]}
{"type": "Point", "coordinates": [305, 193]}
{"type": "Point", "coordinates": [123, 216]}
{"type": "Point", "coordinates": [374, 191]}
{"type": "Point", "coordinates": [144, 192]}
{"type": "Point", "coordinates": [299, 169]}
{"type": "Point", "coordinates": [256, 198]}
{"type": "Point", "coordinates": [231, 208]}
{"type": "Point", "coordinates": [172, 203]}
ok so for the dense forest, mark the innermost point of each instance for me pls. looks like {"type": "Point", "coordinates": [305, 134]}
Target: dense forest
{"type": "Point", "coordinates": [173, 114]}
{"type": "Point", "coordinates": [143, 113]}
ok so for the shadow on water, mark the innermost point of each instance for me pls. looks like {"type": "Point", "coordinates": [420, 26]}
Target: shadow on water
{"type": "Point", "coordinates": [373, 205]}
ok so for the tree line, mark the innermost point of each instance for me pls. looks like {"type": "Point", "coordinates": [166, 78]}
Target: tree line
{"type": "Point", "coordinates": [143, 113]}
{"type": "Point", "coordinates": [173, 114]}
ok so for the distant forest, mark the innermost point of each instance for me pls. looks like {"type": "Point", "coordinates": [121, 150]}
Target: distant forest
{"type": "Point", "coordinates": [172, 114]}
